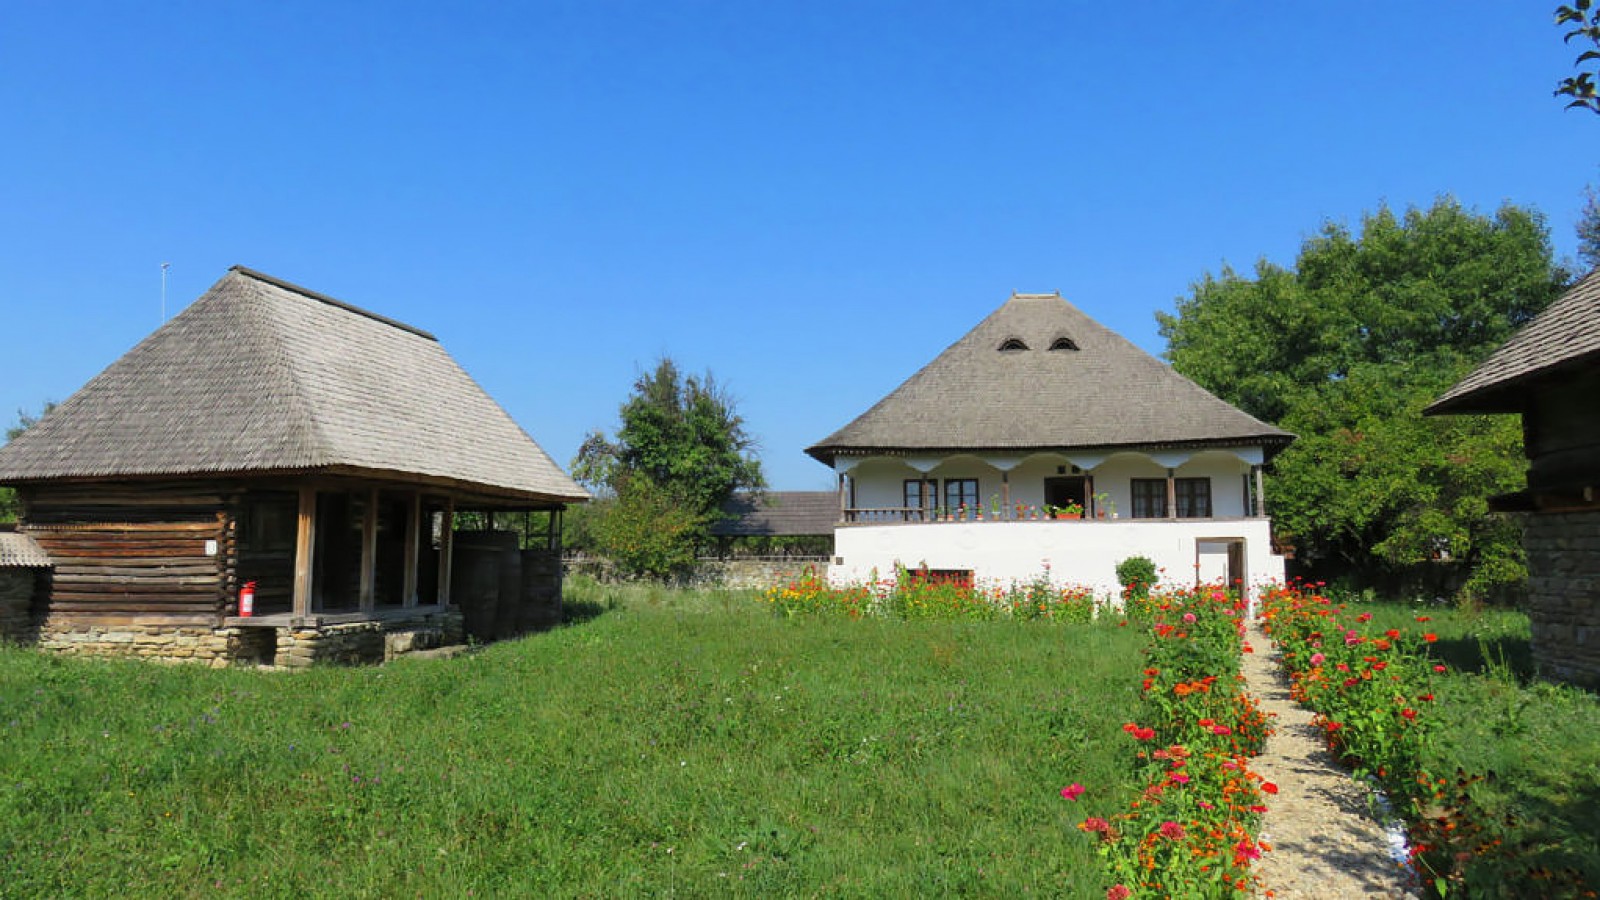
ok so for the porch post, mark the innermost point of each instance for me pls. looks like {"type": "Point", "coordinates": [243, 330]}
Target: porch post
{"type": "Point", "coordinates": [1091, 507]}
{"type": "Point", "coordinates": [369, 553]}
{"type": "Point", "coordinates": [447, 542]}
{"type": "Point", "coordinates": [1261, 494]}
{"type": "Point", "coordinates": [305, 543]}
{"type": "Point", "coordinates": [1172, 493]}
{"type": "Point", "coordinates": [843, 504]}
{"type": "Point", "coordinates": [1005, 493]}
{"type": "Point", "coordinates": [408, 593]}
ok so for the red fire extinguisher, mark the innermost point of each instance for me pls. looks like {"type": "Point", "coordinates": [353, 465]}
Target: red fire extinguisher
{"type": "Point", "coordinates": [247, 599]}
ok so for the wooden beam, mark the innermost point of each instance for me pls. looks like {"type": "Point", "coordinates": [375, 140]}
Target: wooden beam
{"type": "Point", "coordinates": [1005, 490]}
{"type": "Point", "coordinates": [1172, 493]}
{"type": "Point", "coordinates": [305, 543]}
{"type": "Point", "coordinates": [447, 542]}
{"type": "Point", "coordinates": [1261, 494]}
{"type": "Point", "coordinates": [369, 553]}
{"type": "Point", "coordinates": [408, 593]}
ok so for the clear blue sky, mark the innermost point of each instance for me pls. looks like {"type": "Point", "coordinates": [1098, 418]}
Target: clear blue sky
{"type": "Point", "coordinates": [810, 199]}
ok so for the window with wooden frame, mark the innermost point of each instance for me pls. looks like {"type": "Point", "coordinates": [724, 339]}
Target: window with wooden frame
{"type": "Point", "coordinates": [917, 493]}
{"type": "Point", "coordinates": [1149, 498]}
{"type": "Point", "coordinates": [1194, 497]}
{"type": "Point", "coordinates": [959, 492]}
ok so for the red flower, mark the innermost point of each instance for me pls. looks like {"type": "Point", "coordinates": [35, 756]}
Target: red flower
{"type": "Point", "coordinates": [1409, 713]}
{"type": "Point", "coordinates": [1095, 825]}
{"type": "Point", "coordinates": [1439, 669]}
{"type": "Point", "coordinates": [1268, 787]}
{"type": "Point", "coordinates": [1221, 730]}
{"type": "Point", "coordinates": [1430, 637]}
{"type": "Point", "coordinates": [1072, 791]}
{"type": "Point", "coordinates": [1118, 892]}
{"type": "Point", "coordinates": [1392, 633]}
{"type": "Point", "coordinates": [1171, 830]}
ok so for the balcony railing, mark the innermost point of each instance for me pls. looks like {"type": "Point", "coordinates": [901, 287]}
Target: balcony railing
{"type": "Point", "coordinates": [884, 515]}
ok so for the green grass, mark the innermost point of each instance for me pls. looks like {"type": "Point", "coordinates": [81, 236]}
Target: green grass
{"type": "Point", "coordinates": [1541, 741]}
{"type": "Point", "coordinates": [669, 744]}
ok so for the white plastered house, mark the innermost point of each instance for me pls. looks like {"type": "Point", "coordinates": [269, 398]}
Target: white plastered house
{"type": "Point", "coordinates": [1040, 407]}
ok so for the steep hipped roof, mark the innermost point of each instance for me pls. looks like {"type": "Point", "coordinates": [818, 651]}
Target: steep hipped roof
{"type": "Point", "coordinates": [259, 375]}
{"type": "Point", "coordinates": [779, 513]}
{"type": "Point", "coordinates": [1566, 334]}
{"type": "Point", "coordinates": [1096, 390]}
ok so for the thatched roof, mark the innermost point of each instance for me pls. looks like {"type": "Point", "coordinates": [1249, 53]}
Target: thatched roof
{"type": "Point", "coordinates": [1565, 336]}
{"type": "Point", "coordinates": [19, 551]}
{"type": "Point", "coordinates": [261, 376]}
{"type": "Point", "coordinates": [1003, 388]}
{"type": "Point", "coordinates": [779, 513]}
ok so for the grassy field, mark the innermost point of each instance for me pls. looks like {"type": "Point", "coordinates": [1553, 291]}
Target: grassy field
{"type": "Point", "coordinates": [1535, 746]}
{"type": "Point", "coordinates": [671, 744]}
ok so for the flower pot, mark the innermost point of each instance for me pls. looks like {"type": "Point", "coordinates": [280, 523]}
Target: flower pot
{"type": "Point", "coordinates": [1063, 515]}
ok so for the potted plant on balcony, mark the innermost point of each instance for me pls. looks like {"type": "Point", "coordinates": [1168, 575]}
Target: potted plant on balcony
{"type": "Point", "coordinates": [1069, 511]}
{"type": "Point", "coordinates": [1103, 504]}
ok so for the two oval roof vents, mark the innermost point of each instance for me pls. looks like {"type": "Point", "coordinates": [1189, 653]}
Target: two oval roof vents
{"type": "Point", "coordinates": [1016, 343]}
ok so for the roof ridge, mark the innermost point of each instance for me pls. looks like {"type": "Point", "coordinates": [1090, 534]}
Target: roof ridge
{"type": "Point", "coordinates": [331, 301]}
{"type": "Point", "coordinates": [304, 408]}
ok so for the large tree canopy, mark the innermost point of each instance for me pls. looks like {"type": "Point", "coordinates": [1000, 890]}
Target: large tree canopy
{"type": "Point", "coordinates": [678, 456]}
{"type": "Point", "coordinates": [1344, 350]}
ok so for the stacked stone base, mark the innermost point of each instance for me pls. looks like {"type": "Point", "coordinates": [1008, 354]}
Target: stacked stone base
{"type": "Point", "coordinates": [292, 647]}
{"type": "Point", "coordinates": [1564, 594]}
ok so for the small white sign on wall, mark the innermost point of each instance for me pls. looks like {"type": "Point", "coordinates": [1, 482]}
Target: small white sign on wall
{"type": "Point", "coordinates": [211, 548]}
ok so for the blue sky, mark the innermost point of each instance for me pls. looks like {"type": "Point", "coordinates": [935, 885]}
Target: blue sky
{"type": "Point", "coordinates": [809, 199]}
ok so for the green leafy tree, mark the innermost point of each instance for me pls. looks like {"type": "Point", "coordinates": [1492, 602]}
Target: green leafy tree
{"type": "Point", "coordinates": [680, 453]}
{"type": "Point", "coordinates": [1345, 349]}
{"type": "Point", "coordinates": [1589, 229]}
{"type": "Point", "coordinates": [10, 508]}
{"type": "Point", "coordinates": [1584, 17]}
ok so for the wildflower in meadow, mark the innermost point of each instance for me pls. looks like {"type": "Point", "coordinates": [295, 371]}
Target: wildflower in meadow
{"type": "Point", "coordinates": [1072, 791]}
{"type": "Point", "coordinates": [1171, 830]}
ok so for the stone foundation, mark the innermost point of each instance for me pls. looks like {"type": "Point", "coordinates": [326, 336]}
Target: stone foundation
{"type": "Point", "coordinates": [148, 640]}
{"type": "Point", "coordinates": [292, 647]}
{"type": "Point", "coordinates": [1564, 594]}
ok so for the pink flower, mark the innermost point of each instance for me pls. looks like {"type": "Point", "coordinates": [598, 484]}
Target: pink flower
{"type": "Point", "coordinates": [1095, 824]}
{"type": "Point", "coordinates": [1072, 791]}
{"type": "Point", "coordinates": [1178, 778]}
{"type": "Point", "coordinates": [1246, 850]}
{"type": "Point", "coordinates": [1221, 730]}
{"type": "Point", "coordinates": [1189, 618]}
{"type": "Point", "coordinates": [1171, 830]}
{"type": "Point", "coordinates": [1318, 659]}
{"type": "Point", "coordinates": [1118, 892]}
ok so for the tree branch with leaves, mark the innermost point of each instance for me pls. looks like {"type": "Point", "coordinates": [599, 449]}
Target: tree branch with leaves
{"type": "Point", "coordinates": [1584, 16]}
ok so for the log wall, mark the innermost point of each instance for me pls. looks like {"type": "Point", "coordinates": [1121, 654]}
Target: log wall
{"type": "Point", "coordinates": [132, 551]}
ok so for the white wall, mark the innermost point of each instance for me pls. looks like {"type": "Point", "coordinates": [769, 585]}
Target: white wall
{"type": "Point", "coordinates": [1077, 552]}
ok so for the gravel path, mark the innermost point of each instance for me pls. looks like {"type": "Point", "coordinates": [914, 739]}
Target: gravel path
{"type": "Point", "coordinates": [1325, 842]}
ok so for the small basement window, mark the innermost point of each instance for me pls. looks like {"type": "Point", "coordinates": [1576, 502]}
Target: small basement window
{"type": "Point", "coordinates": [1012, 344]}
{"type": "Point", "coordinates": [1063, 343]}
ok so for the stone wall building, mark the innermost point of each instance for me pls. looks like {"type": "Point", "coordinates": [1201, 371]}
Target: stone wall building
{"type": "Point", "coordinates": [277, 476]}
{"type": "Point", "coordinates": [1549, 372]}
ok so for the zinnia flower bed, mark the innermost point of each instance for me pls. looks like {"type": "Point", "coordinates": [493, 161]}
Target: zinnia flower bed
{"type": "Point", "coordinates": [1192, 831]}
{"type": "Point", "coordinates": [912, 595]}
{"type": "Point", "coordinates": [1373, 690]}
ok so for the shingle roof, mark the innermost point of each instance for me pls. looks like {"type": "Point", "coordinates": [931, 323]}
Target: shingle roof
{"type": "Point", "coordinates": [259, 375]}
{"type": "Point", "coordinates": [17, 550]}
{"type": "Point", "coordinates": [1566, 334]}
{"type": "Point", "coordinates": [1099, 390]}
{"type": "Point", "coordinates": [780, 513]}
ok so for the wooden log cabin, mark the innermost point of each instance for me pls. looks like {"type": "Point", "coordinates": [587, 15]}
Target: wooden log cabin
{"type": "Point", "coordinates": [327, 456]}
{"type": "Point", "coordinates": [1549, 373]}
